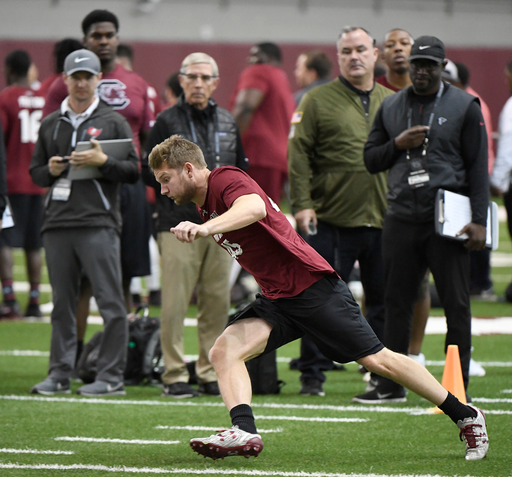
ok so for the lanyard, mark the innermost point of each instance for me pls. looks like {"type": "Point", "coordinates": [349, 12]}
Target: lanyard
{"type": "Point", "coordinates": [430, 121]}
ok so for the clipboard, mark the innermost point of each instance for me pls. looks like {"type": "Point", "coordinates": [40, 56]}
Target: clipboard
{"type": "Point", "coordinates": [111, 147]}
{"type": "Point", "coordinates": [453, 212]}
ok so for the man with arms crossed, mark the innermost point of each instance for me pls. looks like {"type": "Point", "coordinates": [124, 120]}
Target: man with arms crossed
{"type": "Point", "coordinates": [301, 294]}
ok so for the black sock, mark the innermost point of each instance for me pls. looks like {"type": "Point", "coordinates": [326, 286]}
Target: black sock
{"type": "Point", "coordinates": [455, 410]}
{"type": "Point", "coordinates": [242, 417]}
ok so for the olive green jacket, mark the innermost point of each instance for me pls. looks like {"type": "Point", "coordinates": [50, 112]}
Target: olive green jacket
{"type": "Point", "coordinates": [325, 157]}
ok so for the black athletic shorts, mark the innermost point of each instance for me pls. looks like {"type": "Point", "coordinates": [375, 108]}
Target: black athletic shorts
{"type": "Point", "coordinates": [326, 311]}
{"type": "Point", "coordinates": [27, 211]}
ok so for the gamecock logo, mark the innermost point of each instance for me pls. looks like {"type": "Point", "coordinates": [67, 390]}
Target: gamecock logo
{"type": "Point", "coordinates": [113, 92]}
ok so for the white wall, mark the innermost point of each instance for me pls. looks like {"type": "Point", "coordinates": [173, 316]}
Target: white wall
{"type": "Point", "coordinates": [473, 23]}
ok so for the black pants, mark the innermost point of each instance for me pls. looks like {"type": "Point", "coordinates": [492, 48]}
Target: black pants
{"type": "Point", "coordinates": [341, 247]}
{"type": "Point", "coordinates": [408, 249]}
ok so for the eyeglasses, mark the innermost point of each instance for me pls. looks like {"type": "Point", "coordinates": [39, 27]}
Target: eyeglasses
{"type": "Point", "coordinates": [204, 78]}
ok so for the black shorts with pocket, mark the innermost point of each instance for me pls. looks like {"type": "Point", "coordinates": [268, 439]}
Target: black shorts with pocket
{"type": "Point", "coordinates": [27, 211]}
{"type": "Point", "coordinates": [326, 311]}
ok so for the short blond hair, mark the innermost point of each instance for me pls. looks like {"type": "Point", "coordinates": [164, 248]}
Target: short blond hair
{"type": "Point", "coordinates": [174, 152]}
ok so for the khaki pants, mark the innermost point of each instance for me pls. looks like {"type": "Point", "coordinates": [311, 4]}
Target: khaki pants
{"type": "Point", "coordinates": [184, 265]}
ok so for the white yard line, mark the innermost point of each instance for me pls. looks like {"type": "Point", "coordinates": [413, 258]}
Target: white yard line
{"type": "Point", "coordinates": [202, 471]}
{"type": "Point", "coordinates": [312, 419]}
{"type": "Point", "coordinates": [113, 441]}
{"type": "Point", "coordinates": [34, 451]}
{"type": "Point", "coordinates": [212, 429]}
{"type": "Point", "coordinates": [314, 407]}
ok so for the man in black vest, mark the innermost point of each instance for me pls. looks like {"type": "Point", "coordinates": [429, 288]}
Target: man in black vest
{"type": "Point", "coordinates": [429, 136]}
{"type": "Point", "coordinates": [195, 117]}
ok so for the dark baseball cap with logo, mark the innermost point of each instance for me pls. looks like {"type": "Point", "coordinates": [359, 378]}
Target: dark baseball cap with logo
{"type": "Point", "coordinates": [82, 60]}
{"type": "Point", "coordinates": [428, 48]}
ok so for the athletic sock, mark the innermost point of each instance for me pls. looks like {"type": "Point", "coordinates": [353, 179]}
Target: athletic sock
{"type": "Point", "coordinates": [243, 417]}
{"type": "Point", "coordinates": [8, 290]}
{"type": "Point", "coordinates": [34, 294]}
{"type": "Point", "coordinates": [455, 410]}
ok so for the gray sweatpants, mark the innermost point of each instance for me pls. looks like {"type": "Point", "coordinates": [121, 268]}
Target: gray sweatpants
{"type": "Point", "coordinates": [95, 252]}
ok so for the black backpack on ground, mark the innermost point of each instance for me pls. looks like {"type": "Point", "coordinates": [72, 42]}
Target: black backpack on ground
{"type": "Point", "coordinates": [144, 351]}
{"type": "Point", "coordinates": [263, 373]}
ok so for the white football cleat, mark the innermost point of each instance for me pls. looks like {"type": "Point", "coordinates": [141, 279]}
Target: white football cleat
{"type": "Point", "coordinates": [474, 433]}
{"type": "Point", "coordinates": [229, 442]}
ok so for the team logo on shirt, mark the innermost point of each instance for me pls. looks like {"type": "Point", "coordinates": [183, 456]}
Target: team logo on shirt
{"type": "Point", "coordinates": [113, 92]}
{"type": "Point", "coordinates": [233, 249]}
{"type": "Point", "coordinates": [441, 120]}
{"type": "Point", "coordinates": [94, 132]}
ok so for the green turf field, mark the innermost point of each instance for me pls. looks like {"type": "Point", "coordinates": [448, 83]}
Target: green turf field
{"type": "Point", "coordinates": [303, 436]}
{"type": "Point", "coordinates": [143, 433]}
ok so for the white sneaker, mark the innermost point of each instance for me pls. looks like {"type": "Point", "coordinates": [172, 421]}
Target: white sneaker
{"type": "Point", "coordinates": [228, 442]}
{"type": "Point", "coordinates": [474, 433]}
{"type": "Point", "coordinates": [420, 358]}
{"type": "Point", "coordinates": [475, 369]}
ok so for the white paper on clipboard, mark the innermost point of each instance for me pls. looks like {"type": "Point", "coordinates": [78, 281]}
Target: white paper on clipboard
{"type": "Point", "coordinates": [453, 213]}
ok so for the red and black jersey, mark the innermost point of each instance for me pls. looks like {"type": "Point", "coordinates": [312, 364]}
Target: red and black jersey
{"type": "Point", "coordinates": [21, 109]}
{"type": "Point", "coordinates": [282, 263]}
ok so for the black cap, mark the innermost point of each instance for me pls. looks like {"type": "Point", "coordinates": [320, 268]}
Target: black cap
{"type": "Point", "coordinates": [428, 48]}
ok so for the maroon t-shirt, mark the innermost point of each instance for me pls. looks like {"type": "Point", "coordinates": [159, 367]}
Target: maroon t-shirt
{"type": "Point", "coordinates": [266, 139]}
{"type": "Point", "coordinates": [20, 115]}
{"type": "Point", "coordinates": [124, 90]}
{"type": "Point", "coordinates": [282, 263]}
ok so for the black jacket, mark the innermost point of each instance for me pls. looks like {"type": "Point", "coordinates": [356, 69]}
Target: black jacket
{"type": "Point", "coordinates": [456, 156]}
{"type": "Point", "coordinates": [92, 202]}
{"type": "Point", "coordinates": [214, 130]}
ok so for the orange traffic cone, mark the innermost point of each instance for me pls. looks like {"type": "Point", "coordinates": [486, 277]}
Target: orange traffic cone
{"type": "Point", "coordinates": [452, 375]}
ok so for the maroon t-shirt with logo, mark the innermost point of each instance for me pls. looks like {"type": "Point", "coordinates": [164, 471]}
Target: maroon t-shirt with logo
{"type": "Point", "coordinates": [282, 263]}
{"type": "Point", "coordinates": [20, 117]}
{"type": "Point", "coordinates": [125, 91]}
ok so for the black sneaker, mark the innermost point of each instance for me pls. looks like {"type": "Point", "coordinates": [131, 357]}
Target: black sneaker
{"type": "Point", "coordinates": [33, 310]}
{"type": "Point", "coordinates": [376, 396]}
{"type": "Point", "coordinates": [294, 364]}
{"type": "Point", "coordinates": [312, 387]}
{"type": "Point", "coordinates": [10, 309]}
{"type": "Point", "coordinates": [338, 367]}
{"type": "Point", "coordinates": [179, 391]}
{"type": "Point", "coordinates": [211, 389]}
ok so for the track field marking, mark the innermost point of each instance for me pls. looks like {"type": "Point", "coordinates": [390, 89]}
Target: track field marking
{"type": "Point", "coordinates": [156, 470]}
{"type": "Point", "coordinates": [403, 410]}
{"type": "Point", "coordinates": [313, 419]}
{"type": "Point", "coordinates": [34, 451]}
{"type": "Point", "coordinates": [212, 429]}
{"type": "Point", "coordinates": [113, 441]}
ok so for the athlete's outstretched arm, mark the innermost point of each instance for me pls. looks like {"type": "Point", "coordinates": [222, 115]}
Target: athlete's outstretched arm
{"type": "Point", "coordinates": [244, 211]}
